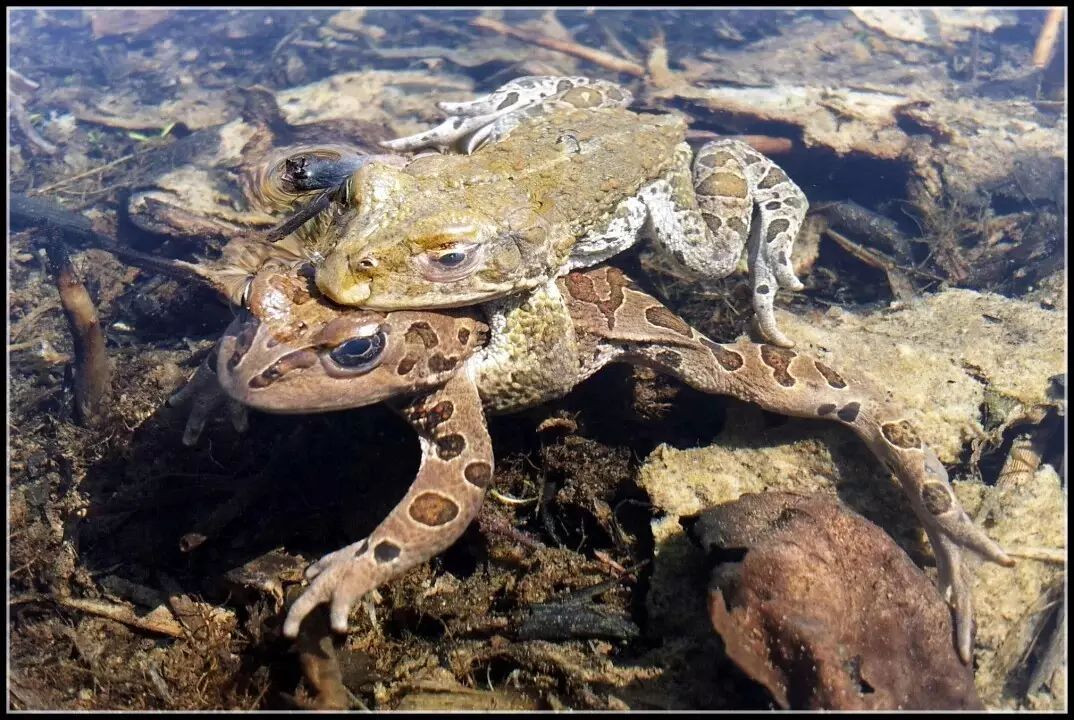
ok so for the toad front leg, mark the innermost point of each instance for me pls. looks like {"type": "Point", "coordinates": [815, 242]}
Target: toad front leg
{"type": "Point", "coordinates": [203, 395]}
{"type": "Point", "coordinates": [456, 469]}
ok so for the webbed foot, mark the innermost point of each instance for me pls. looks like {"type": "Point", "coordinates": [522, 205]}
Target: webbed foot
{"type": "Point", "coordinates": [203, 395]}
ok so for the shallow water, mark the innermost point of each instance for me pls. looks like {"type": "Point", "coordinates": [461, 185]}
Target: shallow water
{"type": "Point", "coordinates": [931, 145]}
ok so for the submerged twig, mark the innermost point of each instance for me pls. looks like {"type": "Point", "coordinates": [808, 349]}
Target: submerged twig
{"type": "Point", "coordinates": [22, 120]}
{"type": "Point", "coordinates": [1049, 36]}
{"type": "Point", "coordinates": [897, 280]}
{"type": "Point", "coordinates": [93, 171]}
{"type": "Point", "coordinates": [155, 622]}
{"type": "Point", "coordinates": [92, 370]}
{"type": "Point", "coordinates": [598, 57]}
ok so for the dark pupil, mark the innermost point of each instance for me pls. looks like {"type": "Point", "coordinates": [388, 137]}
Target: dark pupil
{"type": "Point", "coordinates": [358, 350]}
{"type": "Point", "coordinates": [451, 259]}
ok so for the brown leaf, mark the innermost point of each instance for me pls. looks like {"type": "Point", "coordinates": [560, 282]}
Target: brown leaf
{"type": "Point", "coordinates": [827, 612]}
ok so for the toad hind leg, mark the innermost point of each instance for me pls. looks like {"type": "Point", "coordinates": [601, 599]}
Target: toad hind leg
{"type": "Point", "coordinates": [456, 468]}
{"type": "Point", "coordinates": [791, 383]}
{"type": "Point", "coordinates": [626, 325]}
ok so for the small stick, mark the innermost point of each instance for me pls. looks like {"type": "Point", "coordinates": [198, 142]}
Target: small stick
{"type": "Point", "coordinates": [18, 111]}
{"type": "Point", "coordinates": [92, 371]}
{"type": "Point", "coordinates": [165, 625]}
{"type": "Point", "coordinates": [897, 280]}
{"type": "Point", "coordinates": [94, 171]}
{"type": "Point", "coordinates": [1049, 35]}
{"type": "Point", "coordinates": [598, 57]}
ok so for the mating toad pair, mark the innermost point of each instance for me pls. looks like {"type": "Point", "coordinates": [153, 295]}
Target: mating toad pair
{"type": "Point", "coordinates": [451, 285]}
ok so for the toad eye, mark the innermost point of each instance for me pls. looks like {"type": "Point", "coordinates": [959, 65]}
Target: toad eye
{"type": "Point", "coordinates": [452, 263]}
{"type": "Point", "coordinates": [451, 259]}
{"type": "Point", "coordinates": [360, 353]}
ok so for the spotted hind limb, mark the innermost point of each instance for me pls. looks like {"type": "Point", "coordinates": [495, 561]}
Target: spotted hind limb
{"type": "Point", "coordinates": [491, 117]}
{"type": "Point", "coordinates": [792, 383]}
{"type": "Point", "coordinates": [456, 469]}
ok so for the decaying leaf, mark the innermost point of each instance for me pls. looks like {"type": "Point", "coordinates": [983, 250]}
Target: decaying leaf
{"type": "Point", "coordinates": [826, 611]}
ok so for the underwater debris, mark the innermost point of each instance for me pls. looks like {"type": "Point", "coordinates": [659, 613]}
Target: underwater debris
{"type": "Point", "coordinates": [826, 611]}
{"type": "Point", "coordinates": [933, 26]}
{"type": "Point", "coordinates": [597, 57]}
{"type": "Point", "coordinates": [92, 368]}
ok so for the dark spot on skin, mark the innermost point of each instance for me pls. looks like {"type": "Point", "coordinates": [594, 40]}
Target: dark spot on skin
{"type": "Point", "coordinates": [291, 361]}
{"type": "Point", "coordinates": [669, 358]}
{"type": "Point", "coordinates": [792, 202]}
{"type": "Point", "coordinates": [707, 160]}
{"type": "Point", "coordinates": [478, 474]}
{"type": "Point", "coordinates": [361, 548]}
{"type": "Point", "coordinates": [849, 412]}
{"type": "Point", "coordinates": [458, 123]}
{"type": "Point", "coordinates": [606, 296]}
{"type": "Point", "coordinates": [564, 86]}
{"type": "Point", "coordinates": [738, 226]}
{"type": "Point", "coordinates": [773, 177]}
{"type": "Point", "coordinates": [773, 205]}
{"type": "Point", "coordinates": [763, 289]}
{"type": "Point", "coordinates": [450, 446]}
{"type": "Point", "coordinates": [901, 434]}
{"type": "Point", "coordinates": [777, 227]}
{"type": "Point", "coordinates": [752, 158]}
{"type": "Point", "coordinates": [439, 363]}
{"type": "Point", "coordinates": [834, 379]}
{"type": "Point", "coordinates": [423, 332]}
{"type": "Point", "coordinates": [723, 184]}
{"type": "Point", "coordinates": [662, 317]}
{"type": "Point", "coordinates": [433, 509]}
{"type": "Point", "coordinates": [406, 365]}
{"type": "Point", "coordinates": [728, 359]}
{"type": "Point", "coordinates": [936, 497]}
{"type": "Point", "coordinates": [464, 336]}
{"type": "Point", "coordinates": [782, 258]}
{"type": "Point", "coordinates": [429, 418]}
{"type": "Point", "coordinates": [386, 551]}
{"type": "Point", "coordinates": [826, 409]}
{"type": "Point", "coordinates": [511, 99]}
{"type": "Point", "coordinates": [779, 359]}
